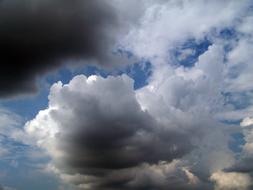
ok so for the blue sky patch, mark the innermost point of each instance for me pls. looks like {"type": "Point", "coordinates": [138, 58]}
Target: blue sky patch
{"type": "Point", "coordinates": [237, 142]}
{"type": "Point", "coordinates": [238, 100]}
{"type": "Point", "coordinates": [187, 54]}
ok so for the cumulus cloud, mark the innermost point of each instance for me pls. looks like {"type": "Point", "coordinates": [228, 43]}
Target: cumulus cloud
{"type": "Point", "coordinates": [189, 99]}
{"type": "Point", "coordinates": [98, 129]}
{"type": "Point", "coordinates": [219, 83]}
{"type": "Point", "coordinates": [96, 143]}
{"type": "Point", "coordinates": [102, 132]}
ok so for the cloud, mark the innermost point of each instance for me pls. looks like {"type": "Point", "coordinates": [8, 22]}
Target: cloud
{"type": "Point", "coordinates": [174, 132]}
{"type": "Point", "coordinates": [159, 32]}
{"type": "Point", "coordinates": [246, 122]}
{"type": "Point", "coordinates": [231, 181]}
{"type": "Point", "coordinates": [102, 132]}
{"type": "Point", "coordinates": [99, 131]}
{"type": "Point", "coordinates": [8, 120]}
{"type": "Point", "coordinates": [12, 148]}
{"type": "Point", "coordinates": [222, 71]}
{"type": "Point", "coordinates": [188, 99]}
{"type": "Point", "coordinates": [244, 162]}
{"type": "Point", "coordinates": [3, 151]}
{"type": "Point", "coordinates": [237, 83]}
{"type": "Point", "coordinates": [39, 36]}
{"type": "Point", "coordinates": [6, 188]}
{"type": "Point", "coordinates": [10, 125]}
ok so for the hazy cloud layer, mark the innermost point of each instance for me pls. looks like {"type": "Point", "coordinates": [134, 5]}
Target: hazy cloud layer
{"type": "Point", "coordinates": [6, 188]}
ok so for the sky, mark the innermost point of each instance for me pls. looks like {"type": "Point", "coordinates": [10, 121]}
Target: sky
{"type": "Point", "coordinates": [126, 95]}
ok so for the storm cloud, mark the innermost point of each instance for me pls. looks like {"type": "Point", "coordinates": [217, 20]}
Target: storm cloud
{"type": "Point", "coordinates": [37, 36]}
{"type": "Point", "coordinates": [92, 136]}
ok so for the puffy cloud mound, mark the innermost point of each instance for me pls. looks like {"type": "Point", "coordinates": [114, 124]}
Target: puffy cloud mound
{"type": "Point", "coordinates": [101, 134]}
{"type": "Point", "coordinates": [158, 31]}
{"type": "Point", "coordinates": [94, 127]}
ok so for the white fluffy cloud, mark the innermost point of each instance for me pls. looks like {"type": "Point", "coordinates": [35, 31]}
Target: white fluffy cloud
{"type": "Point", "coordinates": [168, 23]}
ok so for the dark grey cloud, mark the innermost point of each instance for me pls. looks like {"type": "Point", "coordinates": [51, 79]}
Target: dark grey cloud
{"type": "Point", "coordinates": [37, 36]}
{"type": "Point", "coordinates": [105, 141]}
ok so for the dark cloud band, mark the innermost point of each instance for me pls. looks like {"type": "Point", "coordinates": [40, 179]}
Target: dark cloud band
{"type": "Point", "coordinates": [37, 36]}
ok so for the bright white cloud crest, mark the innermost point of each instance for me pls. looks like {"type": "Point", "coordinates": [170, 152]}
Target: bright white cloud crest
{"type": "Point", "coordinates": [231, 181]}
